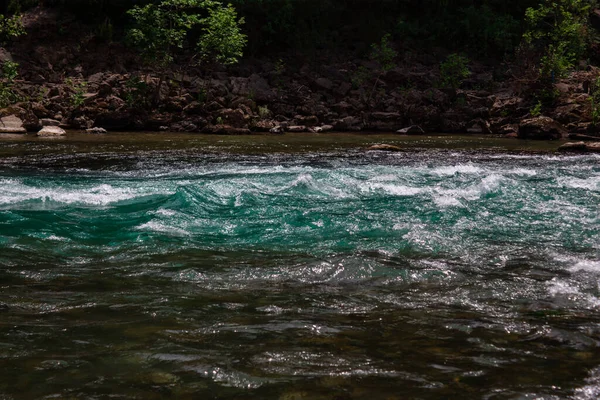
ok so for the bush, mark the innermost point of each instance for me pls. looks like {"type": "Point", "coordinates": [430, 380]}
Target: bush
{"type": "Point", "coordinates": [454, 70]}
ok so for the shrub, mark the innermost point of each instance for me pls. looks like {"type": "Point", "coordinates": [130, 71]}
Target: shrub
{"type": "Point", "coordinates": [454, 70]}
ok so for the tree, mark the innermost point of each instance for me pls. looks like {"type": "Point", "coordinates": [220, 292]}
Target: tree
{"type": "Point", "coordinates": [222, 40]}
{"type": "Point", "coordinates": [557, 31]}
{"type": "Point", "coordinates": [160, 30]}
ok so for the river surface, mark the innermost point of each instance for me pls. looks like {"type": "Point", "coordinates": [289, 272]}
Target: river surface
{"type": "Point", "coordinates": [297, 267]}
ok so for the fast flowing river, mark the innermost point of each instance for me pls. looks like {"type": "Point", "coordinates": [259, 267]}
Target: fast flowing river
{"type": "Point", "coordinates": [297, 267]}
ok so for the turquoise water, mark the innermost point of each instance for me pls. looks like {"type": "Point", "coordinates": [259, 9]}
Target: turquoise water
{"type": "Point", "coordinates": [329, 273]}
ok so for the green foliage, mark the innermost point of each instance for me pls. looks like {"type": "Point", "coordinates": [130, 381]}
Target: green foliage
{"type": "Point", "coordinates": [454, 70]}
{"type": "Point", "coordinates": [558, 32]}
{"type": "Point", "coordinates": [161, 28]}
{"type": "Point", "coordinates": [10, 28]}
{"type": "Point", "coordinates": [536, 111]}
{"type": "Point", "coordinates": [264, 112]}
{"type": "Point", "coordinates": [10, 70]}
{"type": "Point", "coordinates": [383, 53]}
{"type": "Point", "coordinates": [595, 101]}
{"type": "Point", "coordinates": [137, 93]}
{"type": "Point", "coordinates": [78, 90]}
{"type": "Point", "coordinates": [487, 31]}
{"type": "Point", "coordinates": [105, 30]}
{"type": "Point", "coordinates": [361, 75]}
{"type": "Point", "coordinates": [8, 74]}
{"type": "Point", "coordinates": [222, 39]}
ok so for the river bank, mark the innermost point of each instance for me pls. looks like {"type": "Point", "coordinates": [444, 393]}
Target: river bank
{"type": "Point", "coordinates": [82, 82]}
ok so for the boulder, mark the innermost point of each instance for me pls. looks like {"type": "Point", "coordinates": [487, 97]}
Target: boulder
{"type": "Point", "coordinates": [276, 129]}
{"type": "Point", "coordinates": [96, 130]}
{"type": "Point", "coordinates": [343, 89]}
{"type": "Point", "coordinates": [384, 147]}
{"type": "Point", "coordinates": [49, 122]}
{"type": "Point", "coordinates": [12, 124]}
{"type": "Point", "coordinates": [323, 128]}
{"type": "Point", "coordinates": [541, 128]}
{"type": "Point", "coordinates": [259, 89]}
{"type": "Point", "coordinates": [580, 147]}
{"type": "Point", "coordinates": [47, 131]}
{"type": "Point", "coordinates": [263, 125]}
{"type": "Point", "coordinates": [323, 83]}
{"type": "Point", "coordinates": [296, 128]}
{"type": "Point", "coordinates": [349, 123]}
{"type": "Point", "coordinates": [479, 126]}
{"type": "Point", "coordinates": [582, 137]}
{"type": "Point", "coordinates": [234, 118]}
{"type": "Point", "coordinates": [411, 130]}
{"type": "Point", "coordinates": [576, 147]}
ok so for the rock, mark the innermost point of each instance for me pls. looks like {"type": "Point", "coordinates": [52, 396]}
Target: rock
{"type": "Point", "coordinates": [225, 130]}
{"type": "Point", "coordinates": [114, 120]}
{"type": "Point", "coordinates": [51, 131]}
{"type": "Point", "coordinates": [234, 118]}
{"type": "Point", "coordinates": [296, 128]}
{"type": "Point", "coordinates": [259, 89]}
{"type": "Point", "coordinates": [479, 126]}
{"type": "Point", "coordinates": [323, 128]}
{"type": "Point", "coordinates": [310, 120]}
{"type": "Point", "coordinates": [323, 83]}
{"type": "Point", "coordinates": [343, 89]}
{"type": "Point", "coordinates": [12, 124]}
{"type": "Point", "coordinates": [384, 147]}
{"type": "Point", "coordinates": [579, 136]}
{"type": "Point", "coordinates": [96, 130]}
{"type": "Point", "coordinates": [183, 126]}
{"type": "Point", "coordinates": [264, 125]}
{"type": "Point", "coordinates": [578, 147]}
{"type": "Point", "coordinates": [541, 128]}
{"type": "Point", "coordinates": [5, 56]}
{"type": "Point", "coordinates": [349, 123]}
{"type": "Point", "coordinates": [276, 129]}
{"type": "Point", "coordinates": [49, 122]}
{"type": "Point", "coordinates": [411, 130]}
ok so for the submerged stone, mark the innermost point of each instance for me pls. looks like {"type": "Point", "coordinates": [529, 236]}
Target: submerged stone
{"type": "Point", "coordinates": [384, 147]}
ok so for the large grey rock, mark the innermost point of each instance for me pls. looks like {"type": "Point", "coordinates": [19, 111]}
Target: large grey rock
{"type": "Point", "coordinates": [12, 124]}
{"type": "Point", "coordinates": [51, 131]}
{"type": "Point", "coordinates": [541, 128]}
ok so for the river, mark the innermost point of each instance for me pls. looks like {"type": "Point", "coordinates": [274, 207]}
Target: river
{"type": "Point", "coordinates": [297, 267]}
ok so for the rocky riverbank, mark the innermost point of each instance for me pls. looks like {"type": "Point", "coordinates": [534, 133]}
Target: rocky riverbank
{"type": "Point", "coordinates": [83, 82]}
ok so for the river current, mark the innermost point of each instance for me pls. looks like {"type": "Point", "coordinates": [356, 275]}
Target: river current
{"type": "Point", "coordinates": [197, 271]}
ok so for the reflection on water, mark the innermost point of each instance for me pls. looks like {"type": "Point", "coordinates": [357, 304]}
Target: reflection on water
{"type": "Point", "coordinates": [141, 269]}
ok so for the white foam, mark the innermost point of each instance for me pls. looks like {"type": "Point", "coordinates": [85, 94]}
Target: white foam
{"type": "Point", "coordinates": [454, 169]}
{"type": "Point", "coordinates": [162, 228]}
{"type": "Point", "coordinates": [102, 195]}
{"type": "Point", "coordinates": [560, 288]}
{"type": "Point", "coordinates": [591, 183]}
{"type": "Point", "coordinates": [586, 265]}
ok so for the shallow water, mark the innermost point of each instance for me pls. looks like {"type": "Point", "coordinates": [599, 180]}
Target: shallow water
{"type": "Point", "coordinates": [298, 267]}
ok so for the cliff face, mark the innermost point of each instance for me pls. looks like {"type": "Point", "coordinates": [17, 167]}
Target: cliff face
{"type": "Point", "coordinates": [68, 73]}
